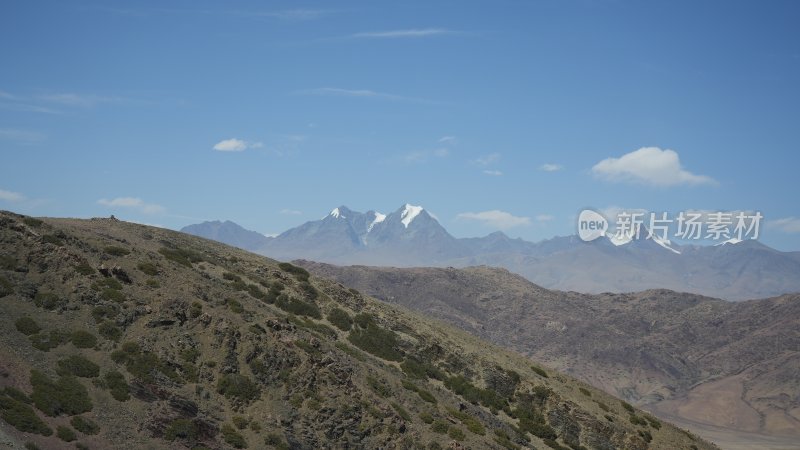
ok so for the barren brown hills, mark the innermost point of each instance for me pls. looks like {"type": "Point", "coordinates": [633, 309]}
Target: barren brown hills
{"type": "Point", "coordinates": [117, 335]}
{"type": "Point", "coordinates": [729, 370]}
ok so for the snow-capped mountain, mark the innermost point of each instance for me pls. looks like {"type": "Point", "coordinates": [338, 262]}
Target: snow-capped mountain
{"type": "Point", "coordinates": [411, 236]}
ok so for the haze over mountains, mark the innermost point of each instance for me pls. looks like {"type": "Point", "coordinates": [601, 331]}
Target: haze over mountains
{"type": "Point", "coordinates": [411, 236]}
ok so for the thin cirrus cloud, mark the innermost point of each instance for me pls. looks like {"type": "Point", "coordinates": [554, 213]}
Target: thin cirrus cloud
{"type": "Point", "coordinates": [362, 93]}
{"type": "Point", "coordinates": [486, 159]}
{"type": "Point", "coordinates": [10, 196]}
{"type": "Point", "coordinates": [650, 166]}
{"type": "Point", "coordinates": [786, 225]}
{"type": "Point", "coordinates": [132, 203]}
{"type": "Point", "coordinates": [549, 167]}
{"type": "Point", "coordinates": [494, 173]}
{"type": "Point", "coordinates": [495, 219]}
{"type": "Point", "coordinates": [235, 145]}
{"type": "Point", "coordinates": [291, 212]}
{"type": "Point", "coordinates": [413, 33]}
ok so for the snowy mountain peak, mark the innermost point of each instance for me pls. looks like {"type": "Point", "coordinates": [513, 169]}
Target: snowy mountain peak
{"type": "Point", "coordinates": [410, 212]}
{"type": "Point", "coordinates": [378, 219]}
{"type": "Point", "coordinates": [336, 214]}
{"type": "Point", "coordinates": [731, 241]}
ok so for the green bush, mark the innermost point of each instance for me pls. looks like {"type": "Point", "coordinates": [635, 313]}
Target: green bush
{"type": "Point", "coordinates": [627, 406]}
{"type": "Point", "coordinates": [299, 307]}
{"type": "Point", "coordinates": [48, 300]}
{"type": "Point", "coordinates": [298, 272]}
{"type": "Point", "coordinates": [27, 326]}
{"type": "Point", "coordinates": [6, 288]}
{"type": "Point", "coordinates": [107, 283]}
{"type": "Point", "coordinates": [473, 394]}
{"type": "Point", "coordinates": [109, 331]}
{"type": "Point", "coordinates": [646, 436]}
{"type": "Point", "coordinates": [439, 426]}
{"type": "Point", "coordinates": [238, 387]}
{"type": "Point", "coordinates": [16, 394]}
{"type": "Point", "coordinates": [78, 366]}
{"type": "Point", "coordinates": [655, 423]}
{"type": "Point", "coordinates": [52, 239]}
{"type": "Point", "coordinates": [22, 417]}
{"type": "Point", "coordinates": [195, 310]}
{"type": "Point", "coordinates": [116, 384]}
{"type": "Point", "coordinates": [401, 412]}
{"type": "Point", "coordinates": [340, 319]}
{"type": "Point", "coordinates": [381, 387]}
{"type": "Point", "coordinates": [143, 365]}
{"type": "Point", "coordinates": [232, 437]}
{"type": "Point", "coordinates": [364, 320]}
{"type": "Point", "coordinates": [32, 446]}
{"type": "Point", "coordinates": [47, 341]}
{"type": "Point", "coordinates": [112, 295]}
{"type": "Point", "coordinates": [84, 425]}
{"type": "Point", "coordinates": [99, 313]}
{"type": "Point", "coordinates": [276, 441]}
{"type": "Point", "coordinates": [180, 256]}
{"type": "Point", "coordinates": [456, 434]}
{"type": "Point", "coordinates": [311, 293]}
{"type": "Point", "coordinates": [240, 422]}
{"type": "Point", "coordinates": [415, 368]}
{"type": "Point", "coordinates": [114, 250]}
{"type": "Point", "coordinates": [636, 420]}
{"type": "Point", "coordinates": [585, 392]}
{"type": "Point", "coordinates": [256, 292]}
{"type": "Point", "coordinates": [32, 222]}
{"type": "Point", "coordinates": [426, 417]}
{"type": "Point", "coordinates": [234, 306]}
{"type": "Point", "coordinates": [84, 269]}
{"type": "Point", "coordinates": [148, 268]}
{"type": "Point", "coordinates": [65, 434]}
{"type": "Point", "coordinates": [181, 429]}
{"type": "Point", "coordinates": [83, 339]}
{"type": "Point", "coordinates": [541, 372]}
{"type": "Point", "coordinates": [63, 396]}
{"type": "Point", "coordinates": [378, 341]}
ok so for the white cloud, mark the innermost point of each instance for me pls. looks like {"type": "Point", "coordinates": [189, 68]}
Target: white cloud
{"type": "Point", "coordinates": [10, 196]}
{"type": "Point", "coordinates": [21, 136]}
{"type": "Point", "coordinates": [486, 160]}
{"type": "Point", "coordinates": [132, 203]}
{"type": "Point", "coordinates": [787, 224]}
{"type": "Point", "coordinates": [551, 167]}
{"type": "Point", "coordinates": [441, 152]}
{"type": "Point", "coordinates": [448, 140]}
{"type": "Point", "coordinates": [361, 93]}
{"type": "Point", "coordinates": [394, 34]}
{"type": "Point", "coordinates": [544, 218]}
{"type": "Point", "coordinates": [496, 219]}
{"type": "Point", "coordinates": [291, 212]}
{"type": "Point", "coordinates": [421, 156]}
{"type": "Point", "coordinates": [649, 165]}
{"type": "Point", "coordinates": [235, 145]}
{"type": "Point", "coordinates": [494, 173]}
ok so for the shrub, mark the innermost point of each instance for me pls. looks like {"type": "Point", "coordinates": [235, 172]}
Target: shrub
{"type": "Point", "coordinates": [426, 417]}
{"type": "Point", "coordinates": [83, 339]}
{"type": "Point", "coordinates": [585, 392]}
{"type": "Point", "coordinates": [114, 250]}
{"type": "Point", "coordinates": [636, 420]}
{"type": "Point", "coordinates": [116, 384]}
{"type": "Point", "coordinates": [16, 394]}
{"type": "Point", "coordinates": [439, 426]}
{"type": "Point", "coordinates": [32, 446]}
{"type": "Point", "coordinates": [84, 425]}
{"type": "Point", "coordinates": [84, 268]}
{"type": "Point", "coordinates": [52, 239]}
{"type": "Point", "coordinates": [152, 283]}
{"type": "Point", "coordinates": [234, 306]}
{"type": "Point", "coordinates": [148, 268]}
{"type": "Point", "coordinates": [27, 326]}
{"type": "Point", "coordinates": [181, 429]}
{"type": "Point", "coordinates": [109, 331]}
{"type": "Point", "coordinates": [63, 396]}
{"type": "Point", "coordinates": [378, 341]}
{"type": "Point", "coordinates": [32, 222]}
{"type": "Point", "coordinates": [180, 256]}
{"type": "Point", "coordinates": [473, 394]}
{"type": "Point", "coordinates": [275, 440]}
{"type": "Point", "coordinates": [256, 292]}
{"type": "Point", "coordinates": [627, 406]}
{"type": "Point", "coordinates": [195, 310]}
{"type": "Point", "coordinates": [65, 434]}
{"type": "Point", "coordinates": [107, 283]}
{"type": "Point", "coordinates": [239, 387]}
{"type": "Point", "coordinates": [22, 417]}
{"type": "Point", "coordinates": [646, 436]}
{"type": "Point", "coordinates": [401, 412]}
{"type": "Point", "coordinates": [240, 422]}
{"type": "Point", "coordinates": [415, 368]}
{"type": "Point", "coordinates": [539, 371]}
{"type": "Point", "coordinates": [602, 406]}
{"type": "Point", "coordinates": [311, 293]}
{"type": "Point", "coordinates": [298, 307]}
{"type": "Point", "coordinates": [456, 434]}
{"type": "Point", "coordinates": [47, 341]}
{"type": "Point", "coordinates": [364, 320]}
{"type": "Point", "coordinates": [99, 313]}
{"type": "Point", "coordinates": [112, 295]}
{"type": "Point", "coordinates": [298, 272]}
{"type": "Point", "coordinates": [232, 437]}
{"type": "Point", "coordinates": [142, 365]}
{"type": "Point", "coordinates": [78, 366]}
{"type": "Point", "coordinates": [6, 288]}
{"type": "Point", "coordinates": [340, 319]}
{"type": "Point", "coordinates": [655, 423]}
{"type": "Point", "coordinates": [379, 386]}
{"type": "Point", "coordinates": [48, 300]}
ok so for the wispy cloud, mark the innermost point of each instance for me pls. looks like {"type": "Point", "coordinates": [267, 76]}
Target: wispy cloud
{"type": "Point", "coordinates": [786, 225]}
{"type": "Point", "coordinates": [421, 156]}
{"type": "Point", "coordinates": [495, 219]}
{"type": "Point", "coordinates": [551, 167]}
{"type": "Point", "coordinates": [448, 140]}
{"type": "Point", "coordinates": [494, 173]}
{"type": "Point", "coordinates": [10, 196]}
{"type": "Point", "coordinates": [403, 34]}
{"type": "Point", "coordinates": [21, 136]}
{"type": "Point", "coordinates": [79, 100]}
{"type": "Point", "coordinates": [291, 212]}
{"type": "Point", "coordinates": [235, 145]}
{"type": "Point", "coordinates": [300, 14]}
{"type": "Point", "coordinates": [544, 218]}
{"type": "Point", "coordinates": [133, 203]}
{"type": "Point", "coordinates": [651, 166]}
{"type": "Point", "coordinates": [487, 159]}
{"type": "Point", "coordinates": [362, 93]}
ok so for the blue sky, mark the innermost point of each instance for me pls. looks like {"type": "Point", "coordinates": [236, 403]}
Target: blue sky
{"type": "Point", "coordinates": [462, 106]}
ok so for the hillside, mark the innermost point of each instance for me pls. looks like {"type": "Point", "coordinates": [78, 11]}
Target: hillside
{"type": "Point", "coordinates": [120, 335]}
{"type": "Point", "coordinates": [699, 360]}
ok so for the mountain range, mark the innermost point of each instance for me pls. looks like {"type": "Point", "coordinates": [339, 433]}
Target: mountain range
{"type": "Point", "coordinates": [412, 237]}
